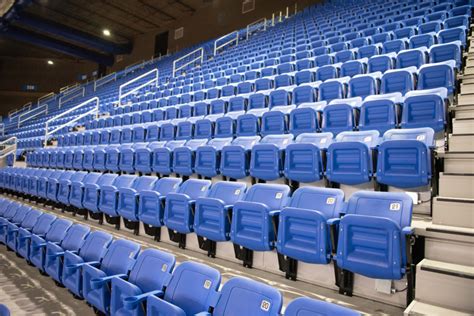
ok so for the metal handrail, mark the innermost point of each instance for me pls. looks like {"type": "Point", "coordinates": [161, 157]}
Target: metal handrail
{"type": "Point", "coordinates": [2, 129]}
{"type": "Point", "coordinates": [123, 95]}
{"type": "Point", "coordinates": [70, 95]}
{"type": "Point", "coordinates": [15, 112]}
{"type": "Point", "coordinates": [134, 66]}
{"type": "Point", "coordinates": [255, 24]}
{"type": "Point", "coordinates": [234, 39]}
{"type": "Point", "coordinates": [75, 119]}
{"type": "Point", "coordinates": [8, 149]}
{"type": "Point", "coordinates": [69, 87]}
{"type": "Point", "coordinates": [200, 57]}
{"type": "Point", "coordinates": [43, 110]}
{"type": "Point", "coordinates": [101, 81]}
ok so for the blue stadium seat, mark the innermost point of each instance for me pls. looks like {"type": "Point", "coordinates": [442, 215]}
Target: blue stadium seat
{"type": "Point", "coordinates": [242, 296]}
{"type": "Point", "coordinates": [297, 239]}
{"type": "Point", "coordinates": [445, 52]}
{"type": "Point", "coordinates": [91, 190]}
{"type": "Point", "coordinates": [162, 161]}
{"type": "Point", "coordinates": [381, 63]}
{"type": "Point", "coordinates": [252, 228]}
{"type": "Point", "coordinates": [235, 158]}
{"type": "Point", "coordinates": [24, 235]}
{"type": "Point", "coordinates": [208, 157]}
{"type": "Point", "coordinates": [310, 307]}
{"type": "Point", "coordinates": [412, 57]}
{"type": "Point", "coordinates": [364, 85]}
{"type": "Point", "coordinates": [128, 297]}
{"type": "Point", "coordinates": [65, 185]}
{"type": "Point", "coordinates": [77, 189]}
{"type": "Point", "coordinates": [398, 80]}
{"type": "Point", "coordinates": [404, 158]}
{"type": "Point", "coordinates": [184, 156]}
{"type": "Point", "coordinates": [333, 89]}
{"type": "Point", "coordinates": [189, 280]}
{"type": "Point", "coordinates": [370, 215]}
{"type": "Point", "coordinates": [349, 158]}
{"type": "Point", "coordinates": [144, 157]}
{"type": "Point", "coordinates": [55, 234]}
{"type": "Point", "coordinates": [439, 75]}
{"type": "Point", "coordinates": [340, 115]}
{"type": "Point", "coordinates": [425, 108]}
{"type": "Point", "coordinates": [28, 223]}
{"type": "Point", "coordinates": [353, 67]}
{"type": "Point", "coordinates": [380, 112]}
{"type": "Point", "coordinates": [179, 209]}
{"type": "Point", "coordinates": [129, 199]}
{"type": "Point", "coordinates": [54, 252]}
{"type": "Point", "coordinates": [97, 276]}
{"type": "Point", "coordinates": [109, 195]}
{"type": "Point", "coordinates": [422, 40]}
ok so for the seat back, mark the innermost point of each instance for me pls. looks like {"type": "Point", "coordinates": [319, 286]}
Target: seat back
{"type": "Point", "coordinates": [310, 307]}
{"type": "Point", "coordinates": [58, 230]}
{"type": "Point", "coordinates": [124, 181]}
{"type": "Point", "coordinates": [20, 214]}
{"type": "Point", "coordinates": [274, 196]}
{"type": "Point", "coordinates": [395, 206]}
{"type": "Point", "coordinates": [242, 296]}
{"type": "Point", "coordinates": [152, 269]}
{"type": "Point", "coordinates": [95, 246]}
{"type": "Point", "coordinates": [30, 219]}
{"type": "Point", "coordinates": [329, 202]}
{"type": "Point", "coordinates": [195, 188]}
{"type": "Point", "coordinates": [75, 237]}
{"type": "Point", "coordinates": [119, 257]}
{"type": "Point", "coordinates": [144, 183]}
{"type": "Point", "coordinates": [43, 224]}
{"type": "Point", "coordinates": [167, 185]}
{"type": "Point", "coordinates": [91, 178]}
{"type": "Point", "coordinates": [191, 286]}
{"type": "Point", "coordinates": [228, 192]}
{"type": "Point", "coordinates": [106, 179]}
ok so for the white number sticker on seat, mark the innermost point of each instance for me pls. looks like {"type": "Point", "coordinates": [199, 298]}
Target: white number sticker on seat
{"type": "Point", "coordinates": [395, 206]}
{"type": "Point", "coordinates": [265, 305]}
{"type": "Point", "coordinates": [279, 195]}
{"type": "Point", "coordinates": [207, 284]}
{"type": "Point", "coordinates": [330, 200]}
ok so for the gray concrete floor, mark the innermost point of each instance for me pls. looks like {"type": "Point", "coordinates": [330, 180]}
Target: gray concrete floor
{"type": "Point", "coordinates": [25, 291]}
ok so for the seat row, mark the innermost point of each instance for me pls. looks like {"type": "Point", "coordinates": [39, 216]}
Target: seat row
{"type": "Point", "coordinates": [116, 277]}
{"type": "Point", "coordinates": [264, 217]}
{"type": "Point", "coordinates": [350, 158]}
{"type": "Point", "coordinates": [414, 61]}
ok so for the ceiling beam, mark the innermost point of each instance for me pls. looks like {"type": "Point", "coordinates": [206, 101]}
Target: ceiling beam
{"type": "Point", "coordinates": [37, 39]}
{"type": "Point", "coordinates": [71, 34]}
{"type": "Point", "coordinates": [155, 9]}
{"type": "Point", "coordinates": [107, 18]}
{"type": "Point", "coordinates": [187, 6]}
{"type": "Point", "coordinates": [140, 18]}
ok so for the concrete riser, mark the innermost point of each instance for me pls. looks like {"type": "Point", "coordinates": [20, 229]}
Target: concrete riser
{"type": "Point", "coordinates": [451, 251]}
{"type": "Point", "coordinates": [461, 143]}
{"type": "Point", "coordinates": [444, 290]}
{"type": "Point", "coordinates": [457, 165]}
{"type": "Point", "coordinates": [456, 186]}
{"type": "Point", "coordinates": [454, 212]}
{"type": "Point", "coordinates": [463, 126]}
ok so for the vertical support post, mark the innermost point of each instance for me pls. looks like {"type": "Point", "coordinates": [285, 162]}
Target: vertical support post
{"type": "Point", "coordinates": [287, 12]}
{"type": "Point", "coordinates": [281, 16]}
{"type": "Point", "coordinates": [273, 19]}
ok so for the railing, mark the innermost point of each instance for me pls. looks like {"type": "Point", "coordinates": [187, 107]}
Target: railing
{"type": "Point", "coordinates": [71, 94]}
{"type": "Point", "coordinates": [200, 58]}
{"type": "Point", "coordinates": [69, 87]}
{"type": "Point", "coordinates": [104, 80]}
{"type": "Point", "coordinates": [126, 84]}
{"type": "Point", "coordinates": [46, 97]}
{"type": "Point", "coordinates": [8, 146]}
{"type": "Point", "coordinates": [95, 111]}
{"type": "Point", "coordinates": [15, 112]}
{"type": "Point", "coordinates": [26, 116]}
{"type": "Point", "coordinates": [132, 67]}
{"type": "Point", "coordinates": [254, 26]}
{"type": "Point", "coordinates": [235, 38]}
{"type": "Point", "coordinates": [2, 129]}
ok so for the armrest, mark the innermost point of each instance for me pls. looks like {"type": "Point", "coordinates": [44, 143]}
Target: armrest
{"type": "Point", "coordinates": [275, 216]}
{"type": "Point", "coordinates": [131, 302]}
{"type": "Point", "coordinates": [13, 230]}
{"type": "Point", "coordinates": [41, 245]}
{"type": "Point", "coordinates": [92, 186]}
{"type": "Point", "coordinates": [65, 182]}
{"type": "Point", "coordinates": [55, 255]}
{"type": "Point", "coordinates": [77, 183]}
{"type": "Point", "coordinates": [23, 238]}
{"type": "Point", "coordinates": [99, 282]}
{"type": "Point", "coordinates": [3, 225]}
{"type": "Point", "coordinates": [149, 193]}
{"type": "Point", "coordinates": [333, 229]}
{"type": "Point", "coordinates": [203, 314]}
{"type": "Point", "coordinates": [52, 180]}
{"type": "Point", "coordinates": [72, 267]}
{"type": "Point", "coordinates": [109, 188]}
{"type": "Point", "coordinates": [178, 196]}
{"type": "Point", "coordinates": [407, 231]}
{"type": "Point", "coordinates": [156, 303]}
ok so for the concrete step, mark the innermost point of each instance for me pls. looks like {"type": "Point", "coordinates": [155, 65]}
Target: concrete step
{"type": "Point", "coordinates": [464, 112]}
{"type": "Point", "coordinates": [466, 98]}
{"type": "Point", "coordinates": [456, 185]}
{"type": "Point", "coordinates": [458, 162]}
{"type": "Point", "coordinates": [461, 143]}
{"type": "Point", "coordinates": [447, 285]}
{"type": "Point", "coordinates": [453, 212]}
{"type": "Point", "coordinates": [417, 308]}
{"type": "Point", "coordinates": [463, 126]}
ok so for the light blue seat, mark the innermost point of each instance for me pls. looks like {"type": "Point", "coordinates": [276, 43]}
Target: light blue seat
{"type": "Point", "coordinates": [404, 158]}
{"type": "Point", "coordinates": [162, 160]}
{"type": "Point", "coordinates": [54, 252]}
{"type": "Point", "coordinates": [26, 224]}
{"type": "Point", "coordinates": [297, 240]}
{"type": "Point", "coordinates": [129, 200]}
{"type": "Point", "coordinates": [349, 158]}
{"type": "Point", "coordinates": [91, 190]}
{"type": "Point", "coordinates": [149, 276]}
{"type": "Point", "coordinates": [97, 276]}
{"type": "Point", "coordinates": [188, 293]}
{"type": "Point", "coordinates": [109, 196]}
{"type": "Point", "coordinates": [179, 209]}
{"type": "Point", "coordinates": [91, 252]}
{"type": "Point", "coordinates": [24, 235]}
{"type": "Point", "coordinates": [212, 214]}
{"type": "Point", "coordinates": [311, 307]}
{"type": "Point", "coordinates": [252, 226]}
{"type": "Point", "coordinates": [144, 157]}
{"type": "Point", "coordinates": [438, 75]}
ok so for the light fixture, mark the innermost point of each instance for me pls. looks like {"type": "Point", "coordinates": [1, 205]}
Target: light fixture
{"type": "Point", "coordinates": [106, 32]}
{"type": "Point", "coordinates": [50, 62]}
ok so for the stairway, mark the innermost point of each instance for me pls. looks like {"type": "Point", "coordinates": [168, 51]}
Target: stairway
{"type": "Point", "coordinates": [445, 277]}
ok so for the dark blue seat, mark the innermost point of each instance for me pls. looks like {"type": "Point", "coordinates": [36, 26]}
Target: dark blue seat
{"type": "Point", "coordinates": [162, 161]}
{"type": "Point", "coordinates": [425, 108]}
{"type": "Point", "coordinates": [91, 190]}
{"type": "Point", "coordinates": [439, 75]}
{"type": "Point", "coordinates": [65, 185]}
{"type": "Point", "coordinates": [208, 157]}
{"type": "Point", "coordinates": [144, 157]}
{"type": "Point", "coordinates": [412, 57]}
{"type": "Point", "coordinates": [379, 112]}
{"type": "Point", "coordinates": [129, 197]}
{"type": "Point", "coordinates": [77, 189]}
{"type": "Point", "coordinates": [398, 80]}
{"type": "Point", "coordinates": [184, 156]}
{"type": "Point", "coordinates": [381, 63]}
{"type": "Point", "coordinates": [109, 194]}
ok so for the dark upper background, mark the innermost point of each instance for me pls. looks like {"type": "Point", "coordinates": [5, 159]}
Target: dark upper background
{"type": "Point", "coordinates": [133, 22]}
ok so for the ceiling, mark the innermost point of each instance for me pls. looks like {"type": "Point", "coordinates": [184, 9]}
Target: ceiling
{"type": "Point", "coordinates": [125, 19]}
